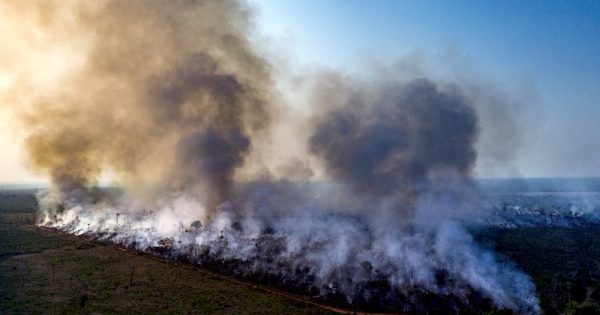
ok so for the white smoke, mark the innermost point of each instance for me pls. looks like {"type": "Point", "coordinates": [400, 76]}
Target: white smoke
{"type": "Point", "coordinates": [308, 245]}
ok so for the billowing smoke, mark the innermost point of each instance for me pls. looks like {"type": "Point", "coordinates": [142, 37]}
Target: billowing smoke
{"type": "Point", "coordinates": [391, 138]}
{"type": "Point", "coordinates": [167, 93]}
{"type": "Point", "coordinates": [174, 101]}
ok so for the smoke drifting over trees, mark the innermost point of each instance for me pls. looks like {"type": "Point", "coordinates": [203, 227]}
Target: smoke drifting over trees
{"type": "Point", "coordinates": [172, 98]}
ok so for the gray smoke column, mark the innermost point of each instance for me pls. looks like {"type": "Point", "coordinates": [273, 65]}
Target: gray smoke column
{"type": "Point", "coordinates": [210, 157]}
{"type": "Point", "coordinates": [390, 139]}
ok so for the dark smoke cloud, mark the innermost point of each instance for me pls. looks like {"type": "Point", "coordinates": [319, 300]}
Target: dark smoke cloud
{"type": "Point", "coordinates": [210, 158]}
{"type": "Point", "coordinates": [390, 138]}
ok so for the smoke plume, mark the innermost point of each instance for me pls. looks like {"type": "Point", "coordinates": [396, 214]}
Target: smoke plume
{"type": "Point", "coordinates": [173, 99]}
{"type": "Point", "coordinates": [393, 137]}
{"type": "Point", "coordinates": [157, 77]}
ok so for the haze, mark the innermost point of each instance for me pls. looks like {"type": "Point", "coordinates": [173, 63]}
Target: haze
{"type": "Point", "coordinates": [544, 52]}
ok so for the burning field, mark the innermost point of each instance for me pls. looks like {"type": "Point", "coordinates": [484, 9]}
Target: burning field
{"type": "Point", "coordinates": [361, 195]}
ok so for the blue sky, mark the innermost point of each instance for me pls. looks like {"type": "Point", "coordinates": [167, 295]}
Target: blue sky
{"type": "Point", "coordinates": [553, 44]}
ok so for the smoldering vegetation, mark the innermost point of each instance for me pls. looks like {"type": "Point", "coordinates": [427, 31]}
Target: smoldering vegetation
{"type": "Point", "coordinates": [174, 100]}
{"type": "Point", "coordinates": [316, 248]}
{"type": "Point", "coordinates": [566, 275]}
{"type": "Point", "coordinates": [557, 202]}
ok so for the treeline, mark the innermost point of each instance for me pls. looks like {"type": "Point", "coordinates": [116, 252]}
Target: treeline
{"type": "Point", "coordinates": [18, 200]}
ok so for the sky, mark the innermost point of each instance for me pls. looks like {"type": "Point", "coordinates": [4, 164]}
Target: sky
{"type": "Point", "coordinates": [551, 48]}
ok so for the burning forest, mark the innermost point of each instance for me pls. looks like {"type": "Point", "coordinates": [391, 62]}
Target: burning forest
{"type": "Point", "coordinates": [363, 197]}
